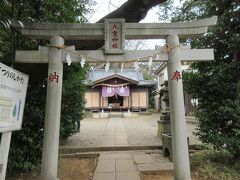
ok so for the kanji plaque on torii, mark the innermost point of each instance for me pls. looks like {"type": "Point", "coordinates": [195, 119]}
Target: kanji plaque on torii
{"type": "Point", "coordinates": [114, 36]}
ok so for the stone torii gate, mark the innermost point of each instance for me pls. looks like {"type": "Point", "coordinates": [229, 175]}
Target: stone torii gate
{"type": "Point", "coordinates": [55, 56]}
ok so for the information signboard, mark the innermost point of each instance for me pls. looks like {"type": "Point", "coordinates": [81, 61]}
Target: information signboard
{"type": "Point", "coordinates": [13, 88]}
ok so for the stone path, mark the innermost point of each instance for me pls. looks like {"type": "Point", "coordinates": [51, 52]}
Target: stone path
{"type": "Point", "coordinates": [114, 133]}
{"type": "Point", "coordinates": [124, 132]}
{"type": "Point", "coordinates": [129, 165]}
{"type": "Point", "coordinates": [152, 162]}
{"type": "Point", "coordinates": [129, 131]}
{"type": "Point", "coordinates": [116, 166]}
{"type": "Point", "coordinates": [117, 131]}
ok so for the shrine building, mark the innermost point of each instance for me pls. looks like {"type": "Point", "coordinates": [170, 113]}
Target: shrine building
{"type": "Point", "coordinates": [119, 90]}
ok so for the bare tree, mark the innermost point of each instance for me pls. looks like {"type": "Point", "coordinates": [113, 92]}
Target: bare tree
{"type": "Point", "coordinates": [135, 44]}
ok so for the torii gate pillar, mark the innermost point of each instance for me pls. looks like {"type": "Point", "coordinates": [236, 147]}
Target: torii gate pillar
{"type": "Point", "coordinates": [177, 112]}
{"type": "Point", "coordinates": [53, 110]}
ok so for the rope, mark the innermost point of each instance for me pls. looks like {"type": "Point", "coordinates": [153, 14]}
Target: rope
{"type": "Point", "coordinates": [166, 49]}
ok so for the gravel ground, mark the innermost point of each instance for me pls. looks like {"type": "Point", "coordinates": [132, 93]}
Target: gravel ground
{"type": "Point", "coordinates": [140, 130]}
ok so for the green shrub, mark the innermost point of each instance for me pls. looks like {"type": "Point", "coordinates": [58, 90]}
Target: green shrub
{"type": "Point", "coordinates": [73, 101]}
{"type": "Point", "coordinates": [214, 165]}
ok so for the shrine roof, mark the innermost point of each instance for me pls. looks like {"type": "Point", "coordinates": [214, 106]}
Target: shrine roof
{"type": "Point", "coordinates": [147, 83]}
{"type": "Point", "coordinates": [95, 75]}
{"type": "Point", "coordinates": [135, 75]}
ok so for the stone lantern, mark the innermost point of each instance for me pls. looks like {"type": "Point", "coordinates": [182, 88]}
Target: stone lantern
{"type": "Point", "coordinates": [164, 126]}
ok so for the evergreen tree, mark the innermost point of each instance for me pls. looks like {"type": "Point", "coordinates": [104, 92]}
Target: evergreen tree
{"type": "Point", "coordinates": [26, 145]}
{"type": "Point", "coordinates": [215, 84]}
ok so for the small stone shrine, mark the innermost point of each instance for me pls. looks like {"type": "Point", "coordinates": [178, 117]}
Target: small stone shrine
{"type": "Point", "coordinates": [164, 126]}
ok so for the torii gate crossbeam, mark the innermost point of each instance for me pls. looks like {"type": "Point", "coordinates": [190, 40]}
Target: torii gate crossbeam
{"type": "Point", "coordinates": [56, 33]}
{"type": "Point", "coordinates": [76, 31]}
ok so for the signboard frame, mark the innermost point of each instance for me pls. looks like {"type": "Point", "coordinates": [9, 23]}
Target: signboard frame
{"type": "Point", "coordinates": [13, 85]}
{"type": "Point", "coordinates": [13, 90]}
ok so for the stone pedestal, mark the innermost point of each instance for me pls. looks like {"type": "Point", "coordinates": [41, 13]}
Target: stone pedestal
{"type": "Point", "coordinates": [167, 146]}
{"type": "Point", "coordinates": [164, 126]}
{"type": "Point", "coordinates": [104, 115]}
{"type": "Point", "coordinates": [127, 114]}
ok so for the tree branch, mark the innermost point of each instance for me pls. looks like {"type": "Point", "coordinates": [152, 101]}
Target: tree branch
{"type": "Point", "coordinates": [132, 11]}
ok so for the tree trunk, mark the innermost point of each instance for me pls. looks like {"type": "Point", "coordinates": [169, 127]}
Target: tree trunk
{"type": "Point", "coordinates": [132, 11]}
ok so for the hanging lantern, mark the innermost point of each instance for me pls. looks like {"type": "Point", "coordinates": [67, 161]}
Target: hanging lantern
{"type": "Point", "coordinates": [107, 66]}
{"type": "Point", "coordinates": [109, 90]}
{"type": "Point", "coordinates": [135, 64]}
{"type": "Point", "coordinates": [82, 62]}
{"type": "Point", "coordinates": [122, 90]}
{"type": "Point", "coordinates": [150, 62]}
{"type": "Point", "coordinates": [122, 66]}
{"type": "Point", "coordinates": [68, 59]}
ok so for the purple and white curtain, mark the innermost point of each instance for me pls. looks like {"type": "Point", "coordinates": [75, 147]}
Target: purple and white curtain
{"type": "Point", "coordinates": [112, 91]}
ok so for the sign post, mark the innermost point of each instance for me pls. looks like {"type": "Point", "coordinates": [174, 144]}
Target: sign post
{"type": "Point", "coordinates": [13, 88]}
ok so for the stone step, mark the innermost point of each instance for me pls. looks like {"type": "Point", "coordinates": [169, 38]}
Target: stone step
{"type": "Point", "coordinates": [145, 113]}
{"type": "Point", "coordinates": [72, 150]}
{"type": "Point", "coordinates": [116, 114]}
{"type": "Point", "coordinates": [166, 113]}
{"type": "Point", "coordinates": [155, 167]}
{"type": "Point", "coordinates": [152, 163]}
{"type": "Point", "coordinates": [165, 118]}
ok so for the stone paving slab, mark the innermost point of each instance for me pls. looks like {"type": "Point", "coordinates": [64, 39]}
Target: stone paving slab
{"type": "Point", "coordinates": [125, 165]}
{"type": "Point", "coordinates": [108, 141]}
{"type": "Point", "coordinates": [116, 166]}
{"type": "Point", "coordinates": [121, 140]}
{"type": "Point", "coordinates": [159, 158]}
{"type": "Point", "coordinates": [109, 133]}
{"type": "Point", "coordinates": [156, 167]}
{"type": "Point", "coordinates": [127, 176]}
{"type": "Point", "coordinates": [143, 159]}
{"type": "Point", "coordinates": [106, 166]}
{"type": "Point", "coordinates": [104, 176]}
{"type": "Point", "coordinates": [152, 162]}
{"type": "Point", "coordinates": [114, 156]}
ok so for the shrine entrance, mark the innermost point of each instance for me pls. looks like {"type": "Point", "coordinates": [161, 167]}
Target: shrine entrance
{"type": "Point", "coordinates": [114, 32]}
{"type": "Point", "coordinates": [115, 101]}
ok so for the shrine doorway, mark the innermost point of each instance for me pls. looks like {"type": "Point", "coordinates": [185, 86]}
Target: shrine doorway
{"type": "Point", "coordinates": [115, 101]}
